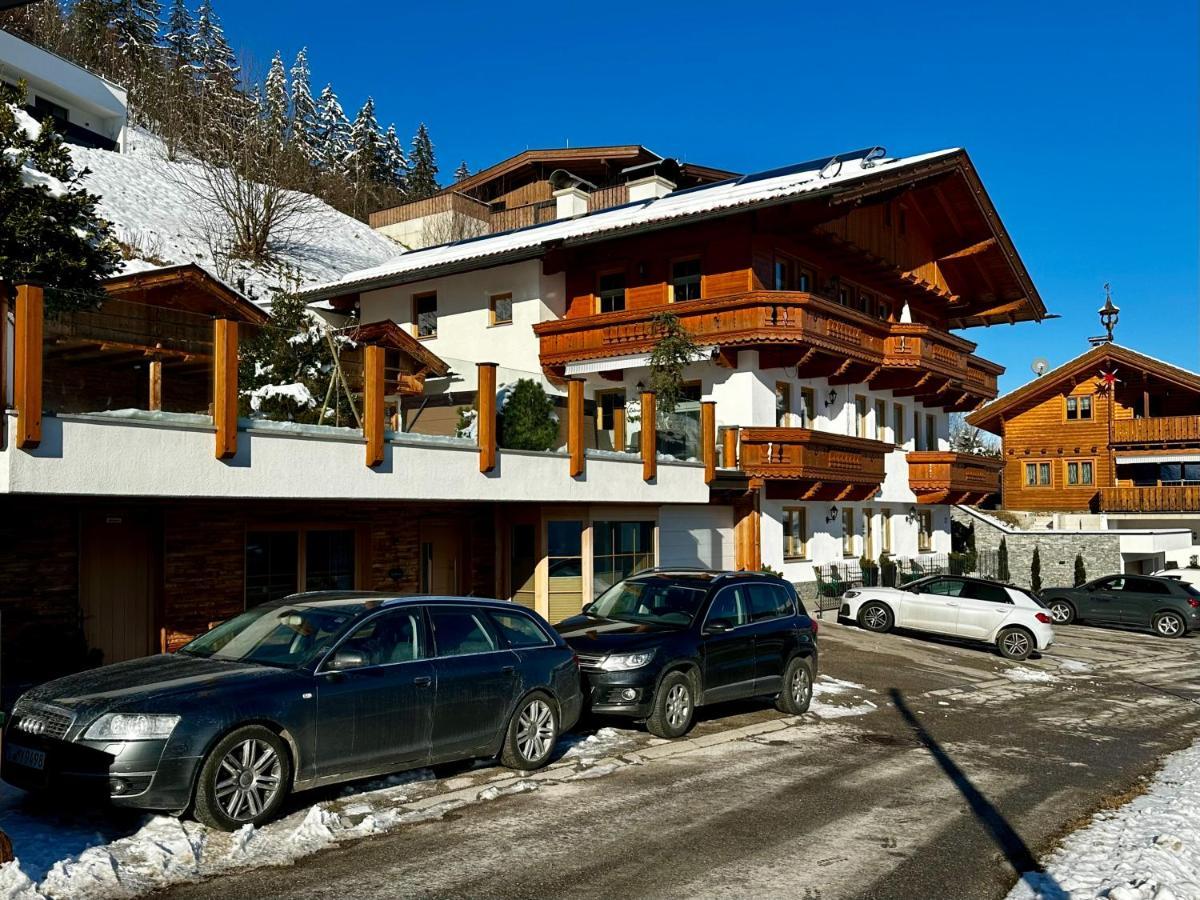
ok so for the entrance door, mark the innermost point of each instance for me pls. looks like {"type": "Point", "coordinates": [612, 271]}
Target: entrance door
{"type": "Point", "coordinates": [118, 572]}
{"type": "Point", "coordinates": [441, 549]}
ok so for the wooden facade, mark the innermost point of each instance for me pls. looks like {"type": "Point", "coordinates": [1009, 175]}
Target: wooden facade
{"type": "Point", "coordinates": [944, 477]}
{"type": "Point", "coordinates": [805, 464]}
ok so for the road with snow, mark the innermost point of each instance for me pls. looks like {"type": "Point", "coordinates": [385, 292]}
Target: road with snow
{"type": "Point", "coordinates": [930, 769]}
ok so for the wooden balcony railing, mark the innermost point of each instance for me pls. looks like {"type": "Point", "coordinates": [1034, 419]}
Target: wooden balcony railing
{"type": "Point", "coordinates": [942, 477]}
{"type": "Point", "coordinates": [1185, 498]}
{"type": "Point", "coordinates": [1157, 431]}
{"type": "Point", "coordinates": [819, 465]}
{"type": "Point", "coordinates": [800, 329]}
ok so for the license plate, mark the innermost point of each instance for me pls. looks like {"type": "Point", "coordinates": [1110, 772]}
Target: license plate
{"type": "Point", "coordinates": [25, 756]}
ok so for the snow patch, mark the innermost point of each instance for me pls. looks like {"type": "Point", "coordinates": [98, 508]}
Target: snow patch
{"type": "Point", "coordinates": [1024, 675]}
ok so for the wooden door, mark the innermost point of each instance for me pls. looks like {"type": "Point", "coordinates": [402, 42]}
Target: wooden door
{"type": "Point", "coordinates": [441, 557]}
{"type": "Point", "coordinates": [118, 576]}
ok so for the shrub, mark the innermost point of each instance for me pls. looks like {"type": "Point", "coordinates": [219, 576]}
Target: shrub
{"type": "Point", "coordinates": [887, 570]}
{"type": "Point", "coordinates": [770, 570]}
{"type": "Point", "coordinates": [528, 421]}
{"type": "Point", "coordinates": [1002, 573]}
{"type": "Point", "coordinates": [1080, 571]}
{"type": "Point", "coordinates": [1035, 571]}
{"type": "Point", "coordinates": [870, 571]}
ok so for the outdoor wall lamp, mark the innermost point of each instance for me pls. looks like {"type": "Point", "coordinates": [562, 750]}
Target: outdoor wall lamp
{"type": "Point", "coordinates": [912, 515]}
{"type": "Point", "coordinates": [831, 399]}
{"type": "Point", "coordinates": [831, 516]}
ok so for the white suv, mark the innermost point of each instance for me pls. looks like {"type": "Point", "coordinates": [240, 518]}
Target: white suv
{"type": "Point", "coordinates": [1012, 619]}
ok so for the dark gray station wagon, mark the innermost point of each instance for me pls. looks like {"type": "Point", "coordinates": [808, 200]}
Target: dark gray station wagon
{"type": "Point", "coordinates": [310, 690]}
{"type": "Point", "coordinates": [1171, 608]}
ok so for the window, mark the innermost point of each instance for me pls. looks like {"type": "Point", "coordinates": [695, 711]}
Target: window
{"type": "Point", "coordinates": [1145, 586]}
{"type": "Point", "coordinates": [898, 424]}
{"type": "Point", "coordinates": [924, 530]}
{"type": "Point", "coordinates": [1080, 472]}
{"type": "Point", "coordinates": [1079, 408]}
{"type": "Point", "coordinates": [611, 292]}
{"type": "Point", "coordinates": [885, 529]}
{"type": "Point", "coordinates": [860, 414]}
{"type": "Point", "coordinates": [808, 407]}
{"type": "Point", "coordinates": [1178, 473]}
{"type": "Point", "coordinates": [500, 309]}
{"type": "Point", "coordinates": [931, 441]}
{"type": "Point", "coordinates": [518, 630]}
{"type": "Point", "coordinates": [768, 601]}
{"type": "Point", "coordinates": [917, 432]}
{"type": "Point", "coordinates": [425, 314]}
{"type": "Point", "coordinates": [867, 543]}
{"type": "Point", "coordinates": [685, 280]}
{"type": "Point", "coordinates": [390, 638]}
{"type": "Point", "coordinates": [789, 275]}
{"type": "Point", "coordinates": [847, 531]}
{"type": "Point", "coordinates": [730, 608]}
{"type": "Point", "coordinates": [866, 302]}
{"type": "Point", "coordinates": [880, 419]}
{"type": "Point", "coordinates": [610, 407]}
{"type": "Point", "coordinates": [783, 404]}
{"type": "Point", "coordinates": [43, 109]}
{"type": "Point", "coordinates": [845, 295]}
{"type": "Point", "coordinates": [564, 544]}
{"type": "Point", "coordinates": [618, 550]}
{"type": "Point", "coordinates": [992, 593]}
{"type": "Point", "coordinates": [1037, 474]}
{"type": "Point", "coordinates": [460, 631]}
{"type": "Point", "coordinates": [522, 564]}
{"type": "Point", "coordinates": [329, 560]}
{"type": "Point", "coordinates": [795, 533]}
{"type": "Point", "coordinates": [280, 562]}
{"type": "Point", "coordinates": [946, 587]}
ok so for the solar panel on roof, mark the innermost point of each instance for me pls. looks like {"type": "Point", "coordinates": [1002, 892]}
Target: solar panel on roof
{"type": "Point", "coordinates": [813, 165]}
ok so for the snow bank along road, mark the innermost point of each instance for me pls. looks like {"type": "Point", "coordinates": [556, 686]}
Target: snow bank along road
{"type": "Point", "coordinates": [928, 769]}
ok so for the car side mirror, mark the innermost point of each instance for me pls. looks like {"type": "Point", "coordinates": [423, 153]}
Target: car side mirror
{"type": "Point", "coordinates": [347, 659]}
{"type": "Point", "coordinates": [587, 610]}
{"type": "Point", "coordinates": [717, 626]}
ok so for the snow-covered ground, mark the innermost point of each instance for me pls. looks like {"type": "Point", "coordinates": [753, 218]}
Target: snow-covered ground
{"type": "Point", "coordinates": [1148, 849]}
{"type": "Point", "coordinates": [154, 213]}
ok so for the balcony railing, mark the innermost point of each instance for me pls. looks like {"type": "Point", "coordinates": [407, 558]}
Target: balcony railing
{"type": "Point", "coordinates": [1157, 431]}
{"type": "Point", "coordinates": [822, 464]}
{"type": "Point", "coordinates": [1150, 499]}
{"type": "Point", "coordinates": [941, 477]}
{"type": "Point", "coordinates": [824, 337]}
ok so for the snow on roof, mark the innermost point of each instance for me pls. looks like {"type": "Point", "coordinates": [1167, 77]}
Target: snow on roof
{"type": "Point", "coordinates": [153, 213]}
{"type": "Point", "coordinates": [749, 190]}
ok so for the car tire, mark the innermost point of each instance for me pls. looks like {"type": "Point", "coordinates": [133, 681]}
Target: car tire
{"type": "Point", "coordinates": [244, 779]}
{"type": "Point", "coordinates": [797, 691]}
{"type": "Point", "coordinates": [877, 617]}
{"type": "Point", "coordinates": [1062, 612]}
{"type": "Point", "coordinates": [1169, 625]}
{"type": "Point", "coordinates": [532, 734]}
{"type": "Point", "coordinates": [1015, 643]}
{"type": "Point", "coordinates": [674, 707]}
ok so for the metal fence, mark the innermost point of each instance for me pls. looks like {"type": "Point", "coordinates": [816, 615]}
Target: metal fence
{"type": "Point", "coordinates": [834, 579]}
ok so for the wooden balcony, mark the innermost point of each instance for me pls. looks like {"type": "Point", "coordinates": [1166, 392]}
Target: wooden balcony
{"type": "Point", "coordinates": [1159, 431]}
{"type": "Point", "coordinates": [1184, 498]}
{"type": "Point", "coordinates": [813, 335]}
{"type": "Point", "coordinates": [941, 477]}
{"type": "Point", "coordinates": [802, 464]}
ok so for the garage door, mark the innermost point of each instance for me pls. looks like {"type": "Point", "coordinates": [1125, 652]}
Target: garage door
{"type": "Point", "coordinates": [696, 536]}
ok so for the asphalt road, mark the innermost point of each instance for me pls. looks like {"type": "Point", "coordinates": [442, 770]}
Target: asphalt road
{"type": "Point", "coordinates": [956, 782]}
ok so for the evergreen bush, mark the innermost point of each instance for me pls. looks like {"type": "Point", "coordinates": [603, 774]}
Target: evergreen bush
{"type": "Point", "coordinates": [528, 421]}
{"type": "Point", "coordinates": [887, 570]}
{"type": "Point", "coordinates": [1002, 573]}
{"type": "Point", "coordinates": [1035, 571]}
{"type": "Point", "coordinates": [1080, 571]}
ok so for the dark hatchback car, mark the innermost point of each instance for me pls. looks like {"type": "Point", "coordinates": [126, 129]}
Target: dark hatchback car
{"type": "Point", "coordinates": [1171, 608]}
{"type": "Point", "coordinates": [660, 643]}
{"type": "Point", "coordinates": [310, 690]}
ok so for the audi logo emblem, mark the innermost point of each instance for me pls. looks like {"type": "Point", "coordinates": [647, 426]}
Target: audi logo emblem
{"type": "Point", "coordinates": [32, 725]}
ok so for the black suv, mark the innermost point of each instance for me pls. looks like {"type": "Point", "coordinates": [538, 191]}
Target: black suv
{"type": "Point", "coordinates": [662, 642]}
{"type": "Point", "coordinates": [1169, 607]}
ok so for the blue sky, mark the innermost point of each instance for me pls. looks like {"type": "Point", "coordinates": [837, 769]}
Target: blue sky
{"type": "Point", "coordinates": [1081, 117]}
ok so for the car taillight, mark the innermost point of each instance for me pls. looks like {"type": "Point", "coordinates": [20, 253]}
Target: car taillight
{"type": "Point", "coordinates": [1193, 603]}
{"type": "Point", "coordinates": [1043, 618]}
{"type": "Point", "coordinates": [816, 626]}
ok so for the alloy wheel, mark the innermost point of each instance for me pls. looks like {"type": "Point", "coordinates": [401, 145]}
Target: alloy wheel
{"type": "Point", "coordinates": [248, 779]}
{"type": "Point", "coordinates": [1015, 643]}
{"type": "Point", "coordinates": [1060, 612]}
{"type": "Point", "coordinates": [679, 706]}
{"type": "Point", "coordinates": [875, 617]}
{"type": "Point", "coordinates": [535, 730]}
{"type": "Point", "coordinates": [1168, 626]}
{"type": "Point", "coordinates": [801, 686]}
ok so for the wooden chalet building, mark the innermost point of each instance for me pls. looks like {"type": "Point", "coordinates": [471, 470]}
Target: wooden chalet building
{"type": "Point", "coordinates": [1112, 431]}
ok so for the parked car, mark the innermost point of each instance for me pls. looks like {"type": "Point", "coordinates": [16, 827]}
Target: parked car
{"type": "Point", "coordinates": [1167, 605]}
{"type": "Point", "coordinates": [1191, 576]}
{"type": "Point", "coordinates": [661, 643]}
{"type": "Point", "coordinates": [311, 690]}
{"type": "Point", "coordinates": [1012, 619]}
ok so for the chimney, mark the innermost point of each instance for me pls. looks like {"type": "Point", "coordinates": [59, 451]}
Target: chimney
{"type": "Point", "coordinates": [650, 188]}
{"type": "Point", "coordinates": [571, 202]}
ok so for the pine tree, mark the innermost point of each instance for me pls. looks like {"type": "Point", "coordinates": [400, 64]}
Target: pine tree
{"type": "Point", "coordinates": [275, 108]}
{"type": "Point", "coordinates": [395, 163]}
{"type": "Point", "coordinates": [179, 37]}
{"type": "Point", "coordinates": [215, 59]}
{"type": "Point", "coordinates": [303, 123]}
{"type": "Point", "coordinates": [422, 173]}
{"type": "Point", "coordinates": [89, 36]}
{"type": "Point", "coordinates": [1035, 571]}
{"type": "Point", "coordinates": [1002, 573]}
{"type": "Point", "coordinates": [366, 146]}
{"type": "Point", "coordinates": [1080, 571]}
{"type": "Point", "coordinates": [333, 132]}
{"type": "Point", "coordinates": [135, 27]}
{"type": "Point", "coordinates": [528, 421]}
{"type": "Point", "coordinates": [462, 171]}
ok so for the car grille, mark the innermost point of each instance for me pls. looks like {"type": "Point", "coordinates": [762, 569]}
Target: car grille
{"type": "Point", "coordinates": [41, 720]}
{"type": "Point", "coordinates": [590, 662]}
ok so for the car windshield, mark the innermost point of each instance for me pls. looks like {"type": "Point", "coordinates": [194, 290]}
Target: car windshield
{"type": "Point", "coordinates": [656, 602]}
{"type": "Point", "coordinates": [284, 636]}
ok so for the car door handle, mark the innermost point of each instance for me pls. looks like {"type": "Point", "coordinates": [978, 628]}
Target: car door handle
{"type": "Point", "coordinates": [423, 680]}
{"type": "Point", "coordinates": [952, 604]}
{"type": "Point", "coordinates": [507, 670]}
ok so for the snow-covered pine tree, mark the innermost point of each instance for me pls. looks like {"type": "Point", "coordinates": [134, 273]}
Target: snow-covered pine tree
{"type": "Point", "coordinates": [135, 27]}
{"type": "Point", "coordinates": [462, 171]}
{"type": "Point", "coordinates": [395, 162]}
{"type": "Point", "coordinates": [89, 41]}
{"type": "Point", "coordinates": [303, 123]}
{"type": "Point", "coordinates": [422, 172]}
{"type": "Point", "coordinates": [215, 58]}
{"type": "Point", "coordinates": [220, 106]}
{"type": "Point", "coordinates": [333, 132]}
{"type": "Point", "coordinates": [179, 37]}
{"type": "Point", "coordinates": [275, 107]}
{"type": "Point", "coordinates": [366, 145]}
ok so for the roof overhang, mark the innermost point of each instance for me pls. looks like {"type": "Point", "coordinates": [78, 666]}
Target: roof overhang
{"type": "Point", "coordinates": [187, 287]}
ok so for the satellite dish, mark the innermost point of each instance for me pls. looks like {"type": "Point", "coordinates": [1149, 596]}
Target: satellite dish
{"type": "Point", "coordinates": [1039, 366]}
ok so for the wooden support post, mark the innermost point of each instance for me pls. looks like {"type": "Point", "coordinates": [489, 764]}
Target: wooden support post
{"type": "Point", "coordinates": [619, 429]}
{"type": "Point", "coordinates": [487, 416]}
{"type": "Point", "coordinates": [708, 439]}
{"type": "Point", "coordinates": [3, 364]}
{"type": "Point", "coordinates": [729, 447]}
{"type": "Point", "coordinates": [747, 532]}
{"type": "Point", "coordinates": [373, 390]}
{"type": "Point", "coordinates": [27, 365]}
{"type": "Point", "coordinates": [649, 436]}
{"type": "Point", "coordinates": [575, 425]}
{"type": "Point", "coordinates": [155, 385]}
{"type": "Point", "coordinates": [225, 386]}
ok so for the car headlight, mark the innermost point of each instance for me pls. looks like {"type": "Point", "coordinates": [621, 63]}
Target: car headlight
{"type": "Point", "coordinates": [131, 727]}
{"type": "Point", "coordinates": [622, 662]}
{"type": "Point", "coordinates": [850, 595]}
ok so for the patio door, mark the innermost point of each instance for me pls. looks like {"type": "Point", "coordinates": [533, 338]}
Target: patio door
{"type": "Point", "coordinates": [441, 552]}
{"type": "Point", "coordinates": [118, 583]}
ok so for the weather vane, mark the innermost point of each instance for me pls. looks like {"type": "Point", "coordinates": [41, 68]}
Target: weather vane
{"type": "Point", "coordinates": [1109, 314]}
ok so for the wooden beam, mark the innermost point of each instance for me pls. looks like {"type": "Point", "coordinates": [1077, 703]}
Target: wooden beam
{"type": "Point", "coordinates": [708, 439]}
{"type": "Point", "coordinates": [3, 365]}
{"type": "Point", "coordinates": [155, 385]}
{"type": "Point", "coordinates": [27, 364]}
{"type": "Point", "coordinates": [748, 532]}
{"type": "Point", "coordinates": [619, 429]}
{"type": "Point", "coordinates": [649, 436]}
{"type": "Point", "coordinates": [487, 416]}
{"type": "Point", "coordinates": [973, 250]}
{"type": "Point", "coordinates": [374, 387]}
{"type": "Point", "coordinates": [575, 447]}
{"type": "Point", "coordinates": [729, 447]}
{"type": "Point", "coordinates": [225, 386]}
